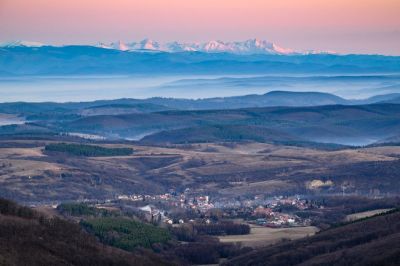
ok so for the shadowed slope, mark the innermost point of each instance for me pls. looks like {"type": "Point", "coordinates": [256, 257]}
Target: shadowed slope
{"type": "Point", "coordinates": [373, 241]}
{"type": "Point", "coordinates": [28, 238]}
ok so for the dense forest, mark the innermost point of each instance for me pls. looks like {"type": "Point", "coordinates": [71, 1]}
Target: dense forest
{"type": "Point", "coordinates": [191, 243]}
{"type": "Point", "coordinates": [223, 228]}
{"type": "Point", "coordinates": [87, 150]}
{"type": "Point", "coordinates": [126, 233]}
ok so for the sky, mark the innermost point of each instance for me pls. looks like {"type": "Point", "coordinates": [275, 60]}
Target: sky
{"type": "Point", "coordinates": [344, 26]}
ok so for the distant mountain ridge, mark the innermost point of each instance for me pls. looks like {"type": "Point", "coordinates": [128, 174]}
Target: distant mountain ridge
{"type": "Point", "coordinates": [250, 46]}
{"type": "Point", "coordinates": [21, 44]}
{"type": "Point", "coordinates": [24, 58]}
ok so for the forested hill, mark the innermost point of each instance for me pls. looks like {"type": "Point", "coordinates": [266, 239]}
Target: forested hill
{"type": "Point", "coordinates": [28, 238]}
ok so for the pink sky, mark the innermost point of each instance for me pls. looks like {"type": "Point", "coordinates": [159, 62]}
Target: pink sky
{"type": "Point", "coordinates": [362, 26]}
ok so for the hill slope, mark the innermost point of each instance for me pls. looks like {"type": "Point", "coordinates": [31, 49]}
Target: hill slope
{"type": "Point", "coordinates": [374, 241]}
{"type": "Point", "coordinates": [336, 123]}
{"type": "Point", "coordinates": [27, 238]}
{"type": "Point", "coordinates": [219, 134]}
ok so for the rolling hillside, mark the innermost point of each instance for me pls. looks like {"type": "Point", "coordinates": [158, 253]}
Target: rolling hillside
{"type": "Point", "coordinates": [373, 241]}
{"type": "Point", "coordinates": [275, 117]}
{"type": "Point", "coordinates": [29, 238]}
{"type": "Point", "coordinates": [357, 125]}
{"type": "Point", "coordinates": [70, 110]}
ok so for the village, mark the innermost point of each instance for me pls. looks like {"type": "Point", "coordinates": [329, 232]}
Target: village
{"type": "Point", "coordinates": [187, 207]}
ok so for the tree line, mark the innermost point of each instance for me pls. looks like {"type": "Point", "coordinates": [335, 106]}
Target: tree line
{"type": "Point", "coordinates": [87, 150]}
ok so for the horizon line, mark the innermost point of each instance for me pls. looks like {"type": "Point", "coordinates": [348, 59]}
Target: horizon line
{"type": "Point", "coordinates": [37, 44]}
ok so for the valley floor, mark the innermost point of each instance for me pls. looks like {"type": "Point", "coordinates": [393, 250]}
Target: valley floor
{"type": "Point", "coordinates": [263, 236]}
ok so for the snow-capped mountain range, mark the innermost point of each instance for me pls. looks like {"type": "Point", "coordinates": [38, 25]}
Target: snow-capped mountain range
{"type": "Point", "coordinates": [251, 46]}
{"type": "Point", "coordinates": [22, 44]}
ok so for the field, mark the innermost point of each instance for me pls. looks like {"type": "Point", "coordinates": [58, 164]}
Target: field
{"type": "Point", "coordinates": [361, 215]}
{"type": "Point", "coordinates": [264, 236]}
{"type": "Point", "coordinates": [28, 174]}
{"type": "Point", "coordinates": [7, 119]}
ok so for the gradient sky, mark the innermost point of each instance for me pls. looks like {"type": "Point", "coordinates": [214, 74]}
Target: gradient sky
{"type": "Point", "coordinates": [345, 26]}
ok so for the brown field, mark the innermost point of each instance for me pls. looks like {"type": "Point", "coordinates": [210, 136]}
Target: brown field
{"type": "Point", "coordinates": [256, 187]}
{"type": "Point", "coordinates": [361, 215]}
{"type": "Point", "coordinates": [263, 236]}
{"type": "Point", "coordinates": [48, 211]}
{"type": "Point", "coordinates": [6, 119]}
{"type": "Point", "coordinates": [28, 174]}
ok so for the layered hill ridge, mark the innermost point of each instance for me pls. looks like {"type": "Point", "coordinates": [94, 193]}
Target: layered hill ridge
{"type": "Point", "coordinates": [277, 117]}
{"type": "Point", "coordinates": [156, 104]}
{"type": "Point", "coordinates": [249, 58]}
{"type": "Point", "coordinates": [354, 125]}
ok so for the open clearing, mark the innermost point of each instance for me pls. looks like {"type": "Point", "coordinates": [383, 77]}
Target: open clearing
{"type": "Point", "coordinates": [264, 236]}
{"type": "Point", "coordinates": [361, 215]}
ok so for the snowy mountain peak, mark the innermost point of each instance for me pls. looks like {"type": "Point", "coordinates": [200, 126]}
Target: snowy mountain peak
{"type": "Point", "coordinates": [118, 45]}
{"type": "Point", "coordinates": [21, 44]}
{"type": "Point", "coordinates": [216, 46]}
{"type": "Point", "coordinates": [148, 44]}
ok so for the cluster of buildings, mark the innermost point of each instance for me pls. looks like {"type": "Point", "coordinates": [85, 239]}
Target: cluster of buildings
{"type": "Point", "coordinates": [154, 215]}
{"type": "Point", "coordinates": [268, 217]}
{"type": "Point", "coordinates": [258, 200]}
{"type": "Point", "coordinates": [173, 199]}
{"type": "Point", "coordinates": [273, 211]}
{"type": "Point", "coordinates": [296, 202]}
